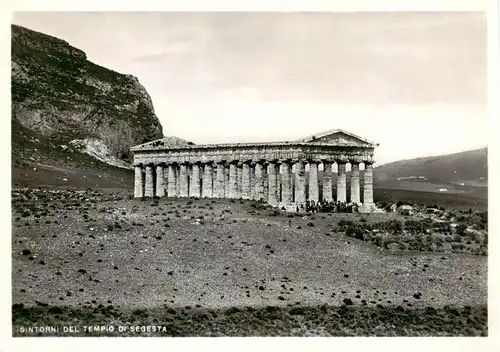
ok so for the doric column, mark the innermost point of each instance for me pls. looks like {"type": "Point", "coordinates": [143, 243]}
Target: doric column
{"type": "Point", "coordinates": [149, 189]}
{"type": "Point", "coordinates": [177, 180]}
{"type": "Point", "coordinates": [300, 182]}
{"type": "Point", "coordinates": [273, 172]}
{"type": "Point", "coordinates": [341, 180]}
{"type": "Point", "coordinates": [233, 180]}
{"type": "Point", "coordinates": [195, 187]}
{"type": "Point", "coordinates": [355, 180]}
{"type": "Point", "coordinates": [286, 190]}
{"type": "Point", "coordinates": [265, 180]}
{"type": "Point", "coordinates": [327, 181]}
{"type": "Point", "coordinates": [245, 180]}
{"type": "Point", "coordinates": [160, 177]}
{"type": "Point", "coordinates": [313, 180]}
{"type": "Point", "coordinates": [165, 179]}
{"type": "Point", "coordinates": [219, 180]}
{"type": "Point", "coordinates": [240, 179]}
{"type": "Point", "coordinates": [138, 181]}
{"type": "Point", "coordinates": [207, 184]}
{"type": "Point", "coordinates": [183, 180]}
{"type": "Point", "coordinates": [368, 183]}
{"type": "Point", "coordinates": [172, 181]}
{"type": "Point", "coordinates": [226, 181]}
{"type": "Point", "coordinates": [259, 180]}
{"type": "Point", "coordinates": [253, 192]}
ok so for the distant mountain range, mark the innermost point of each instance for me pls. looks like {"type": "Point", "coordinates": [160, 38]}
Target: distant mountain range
{"type": "Point", "coordinates": [458, 180]}
{"type": "Point", "coordinates": [469, 168]}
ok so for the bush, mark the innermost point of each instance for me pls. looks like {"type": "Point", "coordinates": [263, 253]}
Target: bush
{"type": "Point", "coordinates": [378, 240]}
{"type": "Point", "coordinates": [415, 226]}
{"type": "Point", "coordinates": [297, 311]}
{"type": "Point", "coordinates": [460, 229]}
{"type": "Point", "coordinates": [396, 226]}
{"type": "Point", "coordinates": [438, 239]}
{"type": "Point", "coordinates": [388, 240]}
{"type": "Point", "coordinates": [343, 223]}
{"type": "Point", "coordinates": [457, 246]}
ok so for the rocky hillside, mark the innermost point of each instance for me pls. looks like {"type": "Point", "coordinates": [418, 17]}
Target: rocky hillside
{"type": "Point", "coordinates": [470, 167]}
{"type": "Point", "coordinates": [61, 103]}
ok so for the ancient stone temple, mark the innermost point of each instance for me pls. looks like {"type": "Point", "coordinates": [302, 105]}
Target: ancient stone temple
{"type": "Point", "coordinates": [284, 174]}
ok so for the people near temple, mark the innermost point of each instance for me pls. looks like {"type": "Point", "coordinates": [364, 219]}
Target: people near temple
{"type": "Point", "coordinates": [324, 206]}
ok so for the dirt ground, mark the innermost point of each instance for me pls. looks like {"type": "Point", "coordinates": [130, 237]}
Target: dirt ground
{"type": "Point", "coordinates": [81, 249]}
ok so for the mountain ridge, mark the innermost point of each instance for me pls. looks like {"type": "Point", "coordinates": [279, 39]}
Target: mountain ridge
{"type": "Point", "coordinates": [433, 156]}
{"type": "Point", "coordinates": [461, 167]}
{"type": "Point", "coordinates": [61, 97]}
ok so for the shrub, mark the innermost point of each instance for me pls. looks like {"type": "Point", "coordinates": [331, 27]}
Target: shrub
{"type": "Point", "coordinates": [438, 239]}
{"type": "Point", "coordinates": [460, 229]}
{"type": "Point", "coordinates": [297, 311]}
{"type": "Point", "coordinates": [457, 246]}
{"type": "Point", "coordinates": [396, 226]}
{"type": "Point", "coordinates": [55, 310]}
{"type": "Point", "coordinates": [343, 223]}
{"type": "Point", "coordinates": [378, 240]}
{"type": "Point", "coordinates": [359, 236]}
{"type": "Point", "coordinates": [388, 240]}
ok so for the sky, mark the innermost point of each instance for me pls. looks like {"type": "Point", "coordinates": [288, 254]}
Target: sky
{"type": "Point", "coordinates": [415, 82]}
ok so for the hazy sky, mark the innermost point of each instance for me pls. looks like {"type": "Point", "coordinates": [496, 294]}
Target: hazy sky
{"type": "Point", "coordinates": [413, 82]}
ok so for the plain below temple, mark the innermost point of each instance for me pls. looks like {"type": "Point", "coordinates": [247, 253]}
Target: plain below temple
{"type": "Point", "coordinates": [274, 172]}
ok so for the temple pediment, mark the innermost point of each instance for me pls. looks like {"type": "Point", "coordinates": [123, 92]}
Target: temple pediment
{"type": "Point", "coordinates": [339, 138]}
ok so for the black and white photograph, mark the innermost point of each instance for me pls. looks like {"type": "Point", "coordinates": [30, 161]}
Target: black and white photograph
{"type": "Point", "coordinates": [249, 174]}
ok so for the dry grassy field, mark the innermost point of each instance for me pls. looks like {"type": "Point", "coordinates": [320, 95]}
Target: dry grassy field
{"type": "Point", "coordinates": [226, 267]}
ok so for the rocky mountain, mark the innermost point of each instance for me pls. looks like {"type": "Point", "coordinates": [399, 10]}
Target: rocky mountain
{"type": "Point", "coordinates": [61, 103]}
